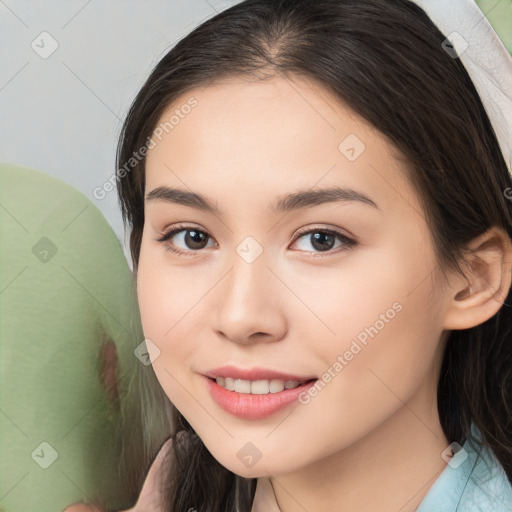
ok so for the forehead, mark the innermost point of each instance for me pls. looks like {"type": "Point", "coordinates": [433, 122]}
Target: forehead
{"type": "Point", "coordinates": [280, 134]}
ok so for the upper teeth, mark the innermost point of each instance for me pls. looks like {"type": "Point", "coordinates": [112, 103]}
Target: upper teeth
{"type": "Point", "coordinates": [256, 387]}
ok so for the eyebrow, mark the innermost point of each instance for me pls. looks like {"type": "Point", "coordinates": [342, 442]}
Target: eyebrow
{"type": "Point", "coordinates": [287, 203]}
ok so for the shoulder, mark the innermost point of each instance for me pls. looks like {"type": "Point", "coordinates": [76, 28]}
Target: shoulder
{"type": "Point", "coordinates": [488, 487]}
{"type": "Point", "coordinates": [473, 481]}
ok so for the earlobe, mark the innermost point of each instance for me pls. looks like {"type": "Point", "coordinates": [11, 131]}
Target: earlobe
{"type": "Point", "coordinates": [481, 294]}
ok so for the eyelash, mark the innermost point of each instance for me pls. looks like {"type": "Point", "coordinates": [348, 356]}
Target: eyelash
{"type": "Point", "coordinates": [348, 242]}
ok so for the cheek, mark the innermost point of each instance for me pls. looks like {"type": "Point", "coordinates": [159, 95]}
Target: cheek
{"type": "Point", "coordinates": [172, 302]}
{"type": "Point", "coordinates": [166, 294]}
{"type": "Point", "coordinates": [375, 309]}
{"type": "Point", "coordinates": [160, 311]}
{"type": "Point", "coordinates": [152, 301]}
{"type": "Point", "coordinates": [386, 341]}
{"type": "Point", "coordinates": [166, 305]}
{"type": "Point", "coordinates": [376, 370]}
{"type": "Point", "coordinates": [362, 291]}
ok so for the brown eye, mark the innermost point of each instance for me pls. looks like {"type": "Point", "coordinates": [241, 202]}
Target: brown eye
{"type": "Point", "coordinates": [195, 239]}
{"type": "Point", "coordinates": [185, 240]}
{"type": "Point", "coordinates": [324, 240]}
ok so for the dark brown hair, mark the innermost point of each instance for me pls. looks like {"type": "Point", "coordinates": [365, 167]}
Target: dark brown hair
{"type": "Point", "coordinates": [384, 59]}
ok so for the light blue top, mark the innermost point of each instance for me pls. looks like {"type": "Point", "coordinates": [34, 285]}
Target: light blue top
{"type": "Point", "coordinates": [473, 481]}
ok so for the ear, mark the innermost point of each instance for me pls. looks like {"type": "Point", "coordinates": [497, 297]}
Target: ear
{"type": "Point", "coordinates": [488, 270]}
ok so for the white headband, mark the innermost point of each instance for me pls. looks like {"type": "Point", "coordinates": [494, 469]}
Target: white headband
{"type": "Point", "coordinates": [471, 37]}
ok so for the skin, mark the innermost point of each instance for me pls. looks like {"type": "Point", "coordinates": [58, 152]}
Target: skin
{"type": "Point", "coordinates": [371, 439]}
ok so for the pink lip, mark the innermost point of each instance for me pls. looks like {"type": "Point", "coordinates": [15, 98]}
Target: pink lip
{"type": "Point", "coordinates": [254, 374]}
{"type": "Point", "coordinates": [254, 407]}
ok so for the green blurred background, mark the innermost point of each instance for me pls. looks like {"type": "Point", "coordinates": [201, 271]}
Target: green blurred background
{"type": "Point", "coordinates": [499, 14]}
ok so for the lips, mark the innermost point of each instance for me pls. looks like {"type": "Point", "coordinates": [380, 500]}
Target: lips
{"type": "Point", "coordinates": [249, 406]}
{"type": "Point", "coordinates": [255, 374]}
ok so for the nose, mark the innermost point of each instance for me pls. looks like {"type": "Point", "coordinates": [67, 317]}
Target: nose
{"type": "Point", "coordinates": [251, 303]}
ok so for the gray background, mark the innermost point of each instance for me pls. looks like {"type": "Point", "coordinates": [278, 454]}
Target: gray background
{"type": "Point", "coordinates": [62, 114]}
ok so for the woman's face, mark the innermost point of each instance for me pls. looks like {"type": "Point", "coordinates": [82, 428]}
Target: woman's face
{"type": "Point", "coordinates": [337, 286]}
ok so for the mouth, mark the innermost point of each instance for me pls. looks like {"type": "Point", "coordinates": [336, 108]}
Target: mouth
{"type": "Point", "coordinates": [258, 387]}
{"type": "Point", "coordinates": [258, 399]}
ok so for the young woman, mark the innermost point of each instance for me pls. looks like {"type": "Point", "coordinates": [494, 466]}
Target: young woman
{"type": "Point", "coordinates": [321, 237]}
